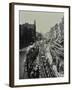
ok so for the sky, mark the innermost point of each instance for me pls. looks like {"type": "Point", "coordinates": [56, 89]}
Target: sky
{"type": "Point", "coordinates": [44, 20]}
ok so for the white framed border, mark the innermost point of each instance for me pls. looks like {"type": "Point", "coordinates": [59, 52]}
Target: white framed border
{"type": "Point", "coordinates": [16, 46]}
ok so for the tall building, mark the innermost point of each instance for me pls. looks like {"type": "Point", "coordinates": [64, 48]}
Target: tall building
{"type": "Point", "coordinates": [27, 34]}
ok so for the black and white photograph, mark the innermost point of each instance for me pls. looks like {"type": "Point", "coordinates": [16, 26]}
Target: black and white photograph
{"type": "Point", "coordinates": [39, 44]}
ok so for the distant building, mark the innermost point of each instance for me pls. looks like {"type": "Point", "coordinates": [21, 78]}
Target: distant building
{"type": "Point", "coordinates": [27, 34]}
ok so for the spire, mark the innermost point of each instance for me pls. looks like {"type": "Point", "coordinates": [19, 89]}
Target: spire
{"type": "Point", "coordinates": [35, 25]}
{"type": "Point", "coordinates": [34, 22]}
